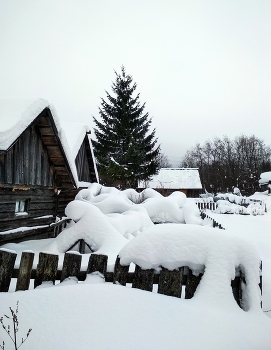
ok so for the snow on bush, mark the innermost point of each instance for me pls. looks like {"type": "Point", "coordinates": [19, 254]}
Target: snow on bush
{"type": "Point", "coordinates": [159, 208]}
{"type": "Point", "coordinates": [201, 248]}
{"type": "Point", "coordinates": [228, 203]}
{"type": "Point", "coordinates": [131, 222]}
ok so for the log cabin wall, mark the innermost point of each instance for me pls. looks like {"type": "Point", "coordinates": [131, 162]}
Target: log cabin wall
{"type": "Point", "coordinates": [40, 207]}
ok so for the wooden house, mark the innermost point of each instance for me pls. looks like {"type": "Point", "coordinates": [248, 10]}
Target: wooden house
{"type": "Point", "coordinates": [168, 180]}
{"type": "Point", "coordinates": [81, 151]}
{"type": "Point", "coordinates": [265, 181]}
{"type": "Point", "coordinates": [36, 165]}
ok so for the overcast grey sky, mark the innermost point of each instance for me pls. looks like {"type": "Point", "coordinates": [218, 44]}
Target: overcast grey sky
{"type": "Point", "coordinates": [202, 67]}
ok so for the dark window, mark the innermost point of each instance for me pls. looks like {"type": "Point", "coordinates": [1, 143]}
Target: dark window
{"type": "Point", "coordinates": [21, 207]}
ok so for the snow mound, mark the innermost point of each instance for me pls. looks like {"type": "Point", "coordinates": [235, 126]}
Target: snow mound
{"type": "Point", "coordinates": [192, 214]}
{"type": "Point", "coordinates": [92, 226]}
{"type": "Point", "coordinates": [173, 246]}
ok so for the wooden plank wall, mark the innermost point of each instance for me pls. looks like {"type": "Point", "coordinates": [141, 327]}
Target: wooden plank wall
{"type": "Point", "coordinates": [27, 162]}
{"type": "Point", "coordinates": [82, 166]}
{"type": "Point", "coordinates": [85, 163]}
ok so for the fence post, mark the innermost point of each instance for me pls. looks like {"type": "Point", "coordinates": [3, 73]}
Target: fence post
{"type": "Point", "coordinates": [170, 282]}
{"type": "Point", "coordinates": [120, 273]}
{"type": "Point", "coordinates": [25, 269]}
{"type": "Point", "coordinates": [143, 279]}
{"type": "Point", "coordinates": [46, 269]}
{"type": "Point", "coordinates": [71, 265]}
{"type": "Point", "coordinates": [7, 261]}
{"type": "Point", "coordinates": [97, 262]}
{"type": "Point", "coordinates": [192, 283]}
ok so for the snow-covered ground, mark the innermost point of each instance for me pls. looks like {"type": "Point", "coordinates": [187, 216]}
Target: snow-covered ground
{"type": "Point", "coordinates": [99, 315]}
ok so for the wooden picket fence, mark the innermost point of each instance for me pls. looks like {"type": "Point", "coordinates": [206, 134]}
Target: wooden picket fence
{"type": "Point", "coordinates": [210, 205]}
{"type": "Point", "coordinates": [169, 282]}
{"type": "Point", "coordinates": [204, 216]}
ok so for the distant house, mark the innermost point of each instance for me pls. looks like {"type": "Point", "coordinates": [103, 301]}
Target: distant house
{"type": "Point", "coordinates": [36, 165]}
{"type": "Point", "coordinates": [265, 181]}
{"type": "Point", "coordinates": [168, 180]}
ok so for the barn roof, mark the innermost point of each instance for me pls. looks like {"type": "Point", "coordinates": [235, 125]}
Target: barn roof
{"type": "Point", "coordinates": [17, 114]}
{"type": "Point", "coordinates": [174, 178]}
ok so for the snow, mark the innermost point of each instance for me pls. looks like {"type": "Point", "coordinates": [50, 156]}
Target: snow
{"type": "Point", "coordinates": [104, 316]}
{"type": "Point", "coordinates": [22, 228]}
{"type": "Point", "coordinates": [174, 178]}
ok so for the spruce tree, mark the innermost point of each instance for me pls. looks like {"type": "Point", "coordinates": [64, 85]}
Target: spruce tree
{"type": "Point", "coordinates": [125, 149]}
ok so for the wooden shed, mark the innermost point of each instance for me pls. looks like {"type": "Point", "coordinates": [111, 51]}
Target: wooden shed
{"type": "Point", "coordinates": [168, 180]}
{"type": "Point", "coordinates": [35, 167]}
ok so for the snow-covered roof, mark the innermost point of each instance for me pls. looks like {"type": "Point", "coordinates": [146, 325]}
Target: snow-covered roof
{"type": "Point", "coordinates": [75, 134]}
{"type": "Point", "coordinates": [174, 178]}
{"type": "Point", "coordinates": [17, 114]}
{"type": "Point", "coordinates": [265, 177]}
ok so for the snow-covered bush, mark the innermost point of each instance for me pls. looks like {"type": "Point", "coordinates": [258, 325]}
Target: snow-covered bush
{"type": "Point", "coordinates": [229, 203]}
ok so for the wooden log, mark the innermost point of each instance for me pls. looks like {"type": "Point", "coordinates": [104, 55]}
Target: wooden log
{"type": "Point", "coordinates": [46, 269]}
{"type": "Point", "coordinates": [143, 279]}
{"type": "Point", "coordinates": [235, 285]}
{"type": "Point", "coordinates": [25, 270]}
{"type": "Point", "coordinates": [120, 273]}
{"type": "Point", "coordinates": [97, 262]}
{"type": "Point", "coordinates": [170, 282]}
{"type": "Point", "coordinates": [7, 261]}
{"type": "Point", "coordinates": [192, 283]}
{"type": "Point", "coordinates": [71, 265]}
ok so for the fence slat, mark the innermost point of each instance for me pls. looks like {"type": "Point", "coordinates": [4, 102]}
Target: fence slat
{"type": "Point", "coordinates": [25, 269]}
{"type": "Point", "coordinates": [7, 261]}
{"type": "Point", "coordinates": [97, 263]}
{"type": "Point", "coordinates": [71, 265]}
{"type": "Point", "coordinates": [143, 279]}
{"type": "Point", "coordinates": [120, 273]}
{"type": "Point", "coordinates": [192, 283]}
{"type": "Point", "coordinates": [46, 268]}
{"type": "Point", "coordinates": [170, 282]}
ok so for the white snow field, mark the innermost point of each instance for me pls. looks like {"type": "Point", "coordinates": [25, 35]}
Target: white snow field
{"type": "Point", "coordinates": [98, 315]}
